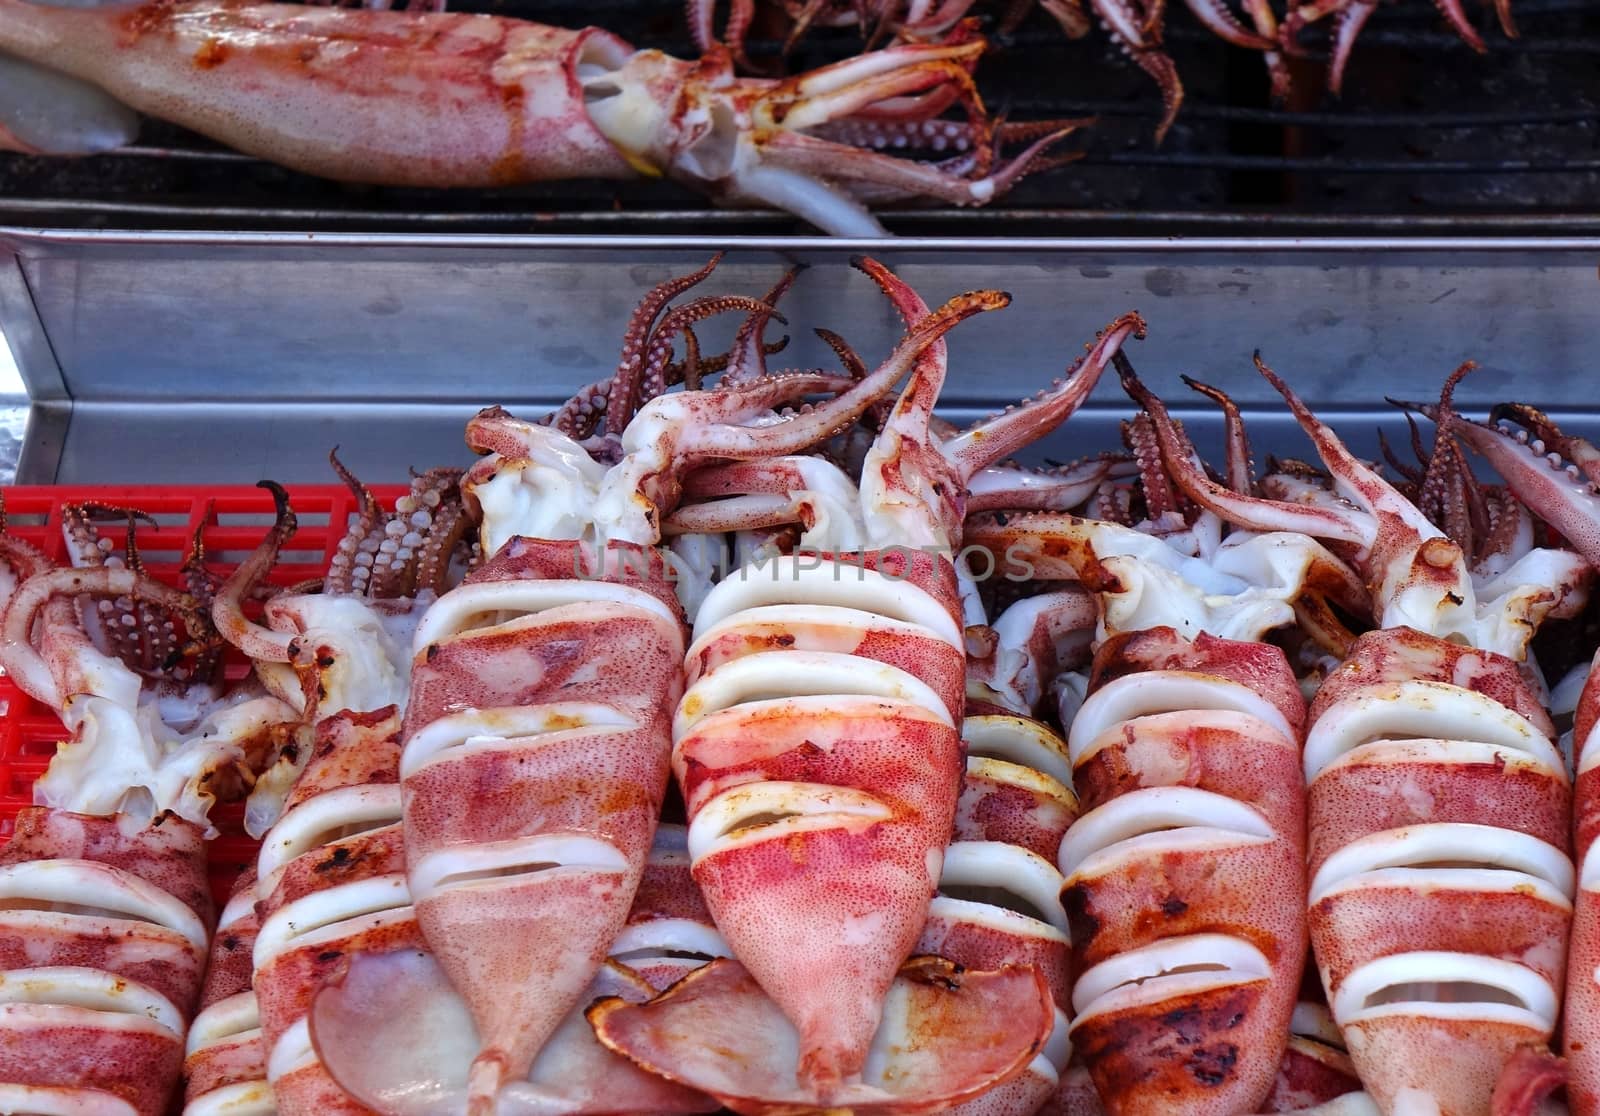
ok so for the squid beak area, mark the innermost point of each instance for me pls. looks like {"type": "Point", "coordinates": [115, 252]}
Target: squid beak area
{"type": "Point", "coordinates": [947, 1035]}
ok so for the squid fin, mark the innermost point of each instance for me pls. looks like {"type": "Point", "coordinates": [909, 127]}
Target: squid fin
{"type": "Point", "coordinates": [43, 112]}
{"type": "Point", "coordinates": [396, 1036]}
{"type": "Point", "coordinates": [716, 1031]}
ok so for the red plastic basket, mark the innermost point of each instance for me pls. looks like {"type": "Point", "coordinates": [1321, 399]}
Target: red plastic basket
{"type": "Point", "coordinates": [232, 521]}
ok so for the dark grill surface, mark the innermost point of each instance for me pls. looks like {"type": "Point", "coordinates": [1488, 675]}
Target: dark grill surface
{"type": "Point", "coordinates": [1428, 138]}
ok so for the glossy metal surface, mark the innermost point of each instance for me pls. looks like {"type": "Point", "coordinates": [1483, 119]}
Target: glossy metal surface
{"type": "Point", "coordinates": [169, 356]}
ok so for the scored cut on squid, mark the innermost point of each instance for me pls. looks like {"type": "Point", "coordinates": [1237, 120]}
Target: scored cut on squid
{"type": "Point", "coordinates": [537, 735]}
{"type": "Point", "coordinates": [330, 884]}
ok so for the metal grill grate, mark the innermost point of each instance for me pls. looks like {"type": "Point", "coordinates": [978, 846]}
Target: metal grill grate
{"type": "Point", "coordinates": [1428, 137]}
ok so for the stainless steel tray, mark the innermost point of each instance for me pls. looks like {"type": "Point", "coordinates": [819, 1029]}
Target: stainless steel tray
{"type": "Point", "coordinates": [225, 357]}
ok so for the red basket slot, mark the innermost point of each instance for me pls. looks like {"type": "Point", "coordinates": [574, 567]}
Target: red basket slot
{"type": "Point", "coordinates": [232, 521]}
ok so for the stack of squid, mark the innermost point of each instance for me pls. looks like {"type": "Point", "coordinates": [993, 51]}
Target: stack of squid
{"type": "Point", "coordinates": [1440, 885]}
{"type": "Point", "coordinates": [775, 746]}
{"type": "Point", "coordinates": [540, 735]}
{"type": "Point", "coordinates": [108, 908]}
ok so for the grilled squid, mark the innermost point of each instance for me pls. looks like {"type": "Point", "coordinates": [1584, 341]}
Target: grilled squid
{"type": "Point", "coordinates": [1183, 875]}
{"type": "Point", "coordinates": [103, 937]}
{"type": "Point", "coordinates": [546, 699]}
{"type": "Point", "coordinates": [360, 1013]}
{"type": "Point", "coordinates": [1554, 474]}
{"type": "Point", "coordinates": [132, 666]}
{"type": "Point", "coordinates": [537, 735]}
{"type": "Point", "coordinates": [1029, 645]}
{"type": "Point", "coordinates": [669, 932]}
{"type": "Point", "coordinates": [225, 1067]}
{"type": "Point", "coordinates": [105, 931]}
{"type": "Point", "coordinates": [331, 882]}
{"type": "Point", "coordinates": [1441, 887]}
{"type": "Point", "coordinates": [818, 749]}
{"type": "Point", "coordinates": [1316, 1068]}
{"type": "Point", "coordinates": [346, 646]}
{"type": "Point", "coordinates": [1581, 1033]}
{"type": "Point", "coordinates": [998, 901]}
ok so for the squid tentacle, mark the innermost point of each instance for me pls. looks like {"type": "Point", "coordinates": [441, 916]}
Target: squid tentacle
{"type": "Point", "coordinates": [625, 384]}
{"type": "Point", "coordinates": [257, 641]}
{"type": "Point", "coordinates": [1240, 466]}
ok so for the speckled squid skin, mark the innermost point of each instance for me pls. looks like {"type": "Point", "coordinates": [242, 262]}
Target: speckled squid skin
{"type": "Point", "coordinates": [1209, 1051]}
{"type": "Point", "coordinates": [1385, 786]}
{"type": "Point", "coordinates": [995, 810]}
{"type": "Point", "coordinates": [1581, 1031]}
{"type": "Point", "coordinates": [523, 950]}
{"type": "Point", "coordinates": [667, 891]}
{"type": "Point", "coordinates": [824, 919]}
{"type": "Point", "coordinates": [140, 1063]}
{"type": "Point", "coordinates": [1003, 810]}
{"type": "Point", "coordinates": [241, 1058]}
{"type": "Point", "coordinates": [351, 750]}
{"type": "Point", "coordinates": [357, 96]}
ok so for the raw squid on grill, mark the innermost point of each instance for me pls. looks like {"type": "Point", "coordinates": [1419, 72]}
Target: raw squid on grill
{"type": "Point", "coordinates": [225, 1068]}
{"type": "Point", "coordinates": [817, 748]}
{"type": "Point", "coordinates": [1441, 889]}
{"type": "Point", "coordinates": [357, 96]}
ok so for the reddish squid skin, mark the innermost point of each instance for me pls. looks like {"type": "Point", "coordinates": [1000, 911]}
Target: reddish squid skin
{"type": "Point", "coordinates": [170, 853]}
{"type": "Point", "coordinates": [667, 890]}
{"type": "Point", "coordinates": [908, 652]}
{"type": "Point", "coordinates": [228, 971]}
{"type": "Point", "coordinates": [1458, 1061]}
{"type": "Point", "coordinates": [234, 1063]}
{"type": "Point", "coordinates": [1259, 666]}
{"type": "Point", "coordinates": [987, 812]}
{"type": "Point", "coordinates": [240, 1058]}
{"type": "Point", "coordinates": [137, 1068]}
{"type": "Point", "coordinates": [138, 1065]}
{"type": "Point", "coordinates": [351, 750]}
{"type": "Point", "coordinates": [1581, 1031]}
{"type": "Point", "coordinates": [1310, 1074]}
{"type": "Point", "coordinates": [1405, 655]}
{"type": "Point", "coordinates": [770, 898]}
{"type": "Point", "coordinates": [350, 95]}
{"type": "Point", "coordinates": [992, 810]}
{"type": "Point", "coordinates": [523, 951]}
{"type": "Point", "coordinates": [288, 983]}
{"type": "Point", "coordinates": [1205, 1051]}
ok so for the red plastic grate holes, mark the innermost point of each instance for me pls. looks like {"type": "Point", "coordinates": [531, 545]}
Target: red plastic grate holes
{"type": "Point", "coordinates": [232, 522]}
